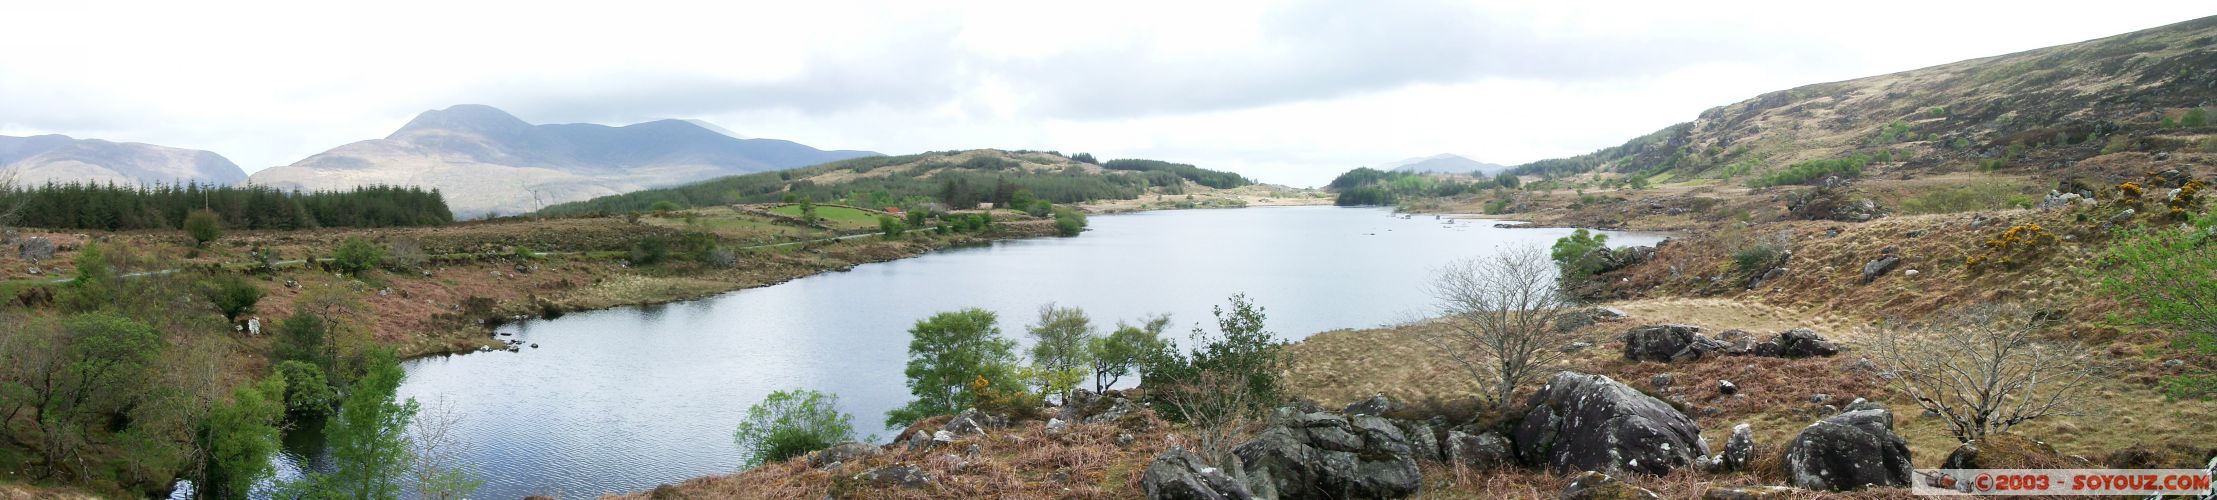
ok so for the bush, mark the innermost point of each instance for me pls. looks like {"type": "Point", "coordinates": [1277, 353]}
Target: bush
{"type": "Point", "coordinates": [1069, 222]}
{"type": "Point", "coordinates": [665, 206]}
{"type": "Point", "coordinates": [1243, 356]}
{"type": "Point", "coordinates": [649, 251]}
{"type": "Point", "coordinates": [890, 226]}
{"type": "Point", "coordinates": [792, 423]}
{"type": "Point", "coordinates": [2171, 271]}
{"type": "Point", "coordinates": [2020, 244]}
{"type": "Point", "coordinates": [232, 294]}
{"type": "Point", "coordinates": [308, 392]}
{"type": "Point", "coordinates": [2196, 117]}
{"type": "Point", "coordinates": [1977, 196]}
{"type": "Point", "coordinates": [1577, 255]}
{"type": "Point", "coordinates": [405, 255]}
{"type": "Point", "coordinates": [947, 353]}
{"type": "Point", "coordinates": [356, 256]}
{"type": "Point", "coordinates": [1756, 258]}
{"type": "Point", "coordinates": [1815, 170]}
{"type": "Point", "coordinates": [203, 227]}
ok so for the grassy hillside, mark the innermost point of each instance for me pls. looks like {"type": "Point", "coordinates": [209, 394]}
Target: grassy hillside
{"type": "Point", "coordinates": [958, 179]}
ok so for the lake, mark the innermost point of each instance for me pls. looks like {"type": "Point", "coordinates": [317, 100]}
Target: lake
{"type": "Point", "coordinates": [626, 399]}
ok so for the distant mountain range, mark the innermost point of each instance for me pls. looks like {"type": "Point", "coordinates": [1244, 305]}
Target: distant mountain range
{"type": "Point", "coordinates": [484, 160]}
{"type": "Point", "coordinates": [1442, 163]}
{"type": "Point", "coordinates": [41, 159]}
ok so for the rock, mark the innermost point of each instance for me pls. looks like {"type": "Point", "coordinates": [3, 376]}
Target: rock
{"type": "Point", "coordinates": [2056, 200]}
{"type": "Point", "coordinates": [1739, 450]}
{"type": "Point", "coordinates": [1576, 346]}
{"type": "Point", "coordinates": [1726, 387]}
{"type": "Point", "coordinates": [1422, 441]}
{"type": "Point", "coordinates": [1852, 450]}
{"type": "Point", "coordinates": [1803, 343]}
{"type": "Point", "coordinates": [1879, 267]}
{"type": "Point", "coordinates": [2174, 363]}
{"type": "Point", "coordinates": [1591, 422]}
{"type": "Point", "coordinates": [842, 452]}
{"type": "Point", "coordinates": [1322, 455]}
{"type": "Point", "coordinates": [1912, 273]}
{"type": "Point", "coordinates": [1660, 380]}
{"type": "Point", "coordinates": [1481, 451]}
{"type": "Point", "coordinates": [1737, 342]}
{"type": "Point", "coordinates": [1660, 342]}
{"type": "Point", "coordinates": [1055, 425]}
{"type": "Point", "coordinates": [1125, 439]}
{"type": "Point", "coordinates": [896, 475]}
{"type": "Point", "coordinates": [941, 438]}
{"type": "Point", "coordinates": [1819, 398]}
{"type": "Point", "coordinates": [974, 422]}
{"type": "Point", "coordinates": [1598, 486]}
{"type": "Point", "coordinates": [1750, 493]}
{"type": "Point", "coordinates": [1378, 404]}
{"type": "Point", "coordinates": [1178, 474]}
{"type": "Point", "coordinates": [1108, 410]}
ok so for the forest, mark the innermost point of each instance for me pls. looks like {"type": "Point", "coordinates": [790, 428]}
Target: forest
{"type": "Point", "coordinates": [111, 207]}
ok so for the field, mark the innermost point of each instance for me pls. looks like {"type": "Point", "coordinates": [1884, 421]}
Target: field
{"type": "Point", "coordinates": [835, 216]}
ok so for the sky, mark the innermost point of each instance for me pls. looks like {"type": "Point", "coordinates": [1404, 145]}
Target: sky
{"type": "Point", "coordinates": [1289, 92]}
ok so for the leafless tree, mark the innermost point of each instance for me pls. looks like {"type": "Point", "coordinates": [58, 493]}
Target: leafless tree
{"type": "Point", "coordinates": [10, 203]}
{"type": "Point", "coordinates": [438, 472]}
{"type": "Point", "coordinates": [1217, 407]}
{"type": "Point", "coordinates": [1983, 368]}
{"type": "Point", "coordinates": [1501, 311]}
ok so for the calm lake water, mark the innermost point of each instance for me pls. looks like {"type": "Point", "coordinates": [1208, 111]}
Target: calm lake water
{"type": "Point", "coordinates": [626, 399]}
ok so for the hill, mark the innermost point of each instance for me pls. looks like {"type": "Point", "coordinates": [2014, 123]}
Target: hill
{"type": "Point", "coordinates": [956, 179]}
{"type": "Point", "coordinates": [486, 160]}
{"type": "Point", "coordinates": [1447, 163]}
{"type": "Point", "coordinates": [46, 159]}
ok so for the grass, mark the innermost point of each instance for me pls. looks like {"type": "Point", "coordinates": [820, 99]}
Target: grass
{"type": "Point", "coordinates": [838, 217]}
{"type": "Point", "coordinates": [1976, 196]}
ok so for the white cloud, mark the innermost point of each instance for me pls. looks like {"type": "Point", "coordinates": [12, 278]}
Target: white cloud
{"type": "Point", "coordinates": [1283, 91]}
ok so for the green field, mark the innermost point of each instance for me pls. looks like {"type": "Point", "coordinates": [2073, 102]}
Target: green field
{"type": "Point", "coordinates": [835, 217]}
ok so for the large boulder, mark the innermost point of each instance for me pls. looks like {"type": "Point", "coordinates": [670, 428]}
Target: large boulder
{"type": "Point", "coordinates": [1855, 449]}
{"type": "Point", "coordinates": [1324, 455]}
{"type": "Point", "coordinates": [1664, 343]}
{"type": "Point", "coordinates": [1378, 405]}
{"type": "Point", "coordinates": [1598, 486]}
{"type": "Point", "coordinates": [905, 476]}
{"type": "Point", "coordinates": [1180, 475]}
{"type": "Point", "coordinates": [1879, 267]}
{"type": "Point", "coordinates": [1591, 422]}
{"type": "Point", "coordinates": [1739, 450]}
{"type": "Point", "coordinates": [1804, 343]}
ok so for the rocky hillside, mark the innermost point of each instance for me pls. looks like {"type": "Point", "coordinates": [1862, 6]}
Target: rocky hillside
{"type": "Point", "coordinates": [59, 158]}
{"type": "Point", "coordinates": [2037, 109]}
{"type": "Point", "coordinates": [485, 160]}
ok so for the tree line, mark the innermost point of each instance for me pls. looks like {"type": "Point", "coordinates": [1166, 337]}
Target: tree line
{"type": "Point", "coordinates": [113, 207]}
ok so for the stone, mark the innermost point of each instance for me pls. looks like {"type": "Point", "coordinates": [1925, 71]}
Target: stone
{"type": "Point", "coordinates": [1581, 422]}
{"type": "Point", "coordinates": [974, 422]}
{"type": "Point", "coordinates": [1378, 404]}
{"type": "Point", "coordinates": [1879, 267]}
{"type": "Point", "coordinates": [1056, 425]}
{"type": "Point", "coordinates": [2007, 451]}
{"type": "Point", "coordinates": [1751, 493]}
{"type": "Point", "coordinates": [1178, 474]}
{"type": "Point", "coordinates": [1726, 387]}
{"type": "Point", "coordinates": [1109, 410]}
{"type": "Point", "coordinates": [1323, 455]}
{"type": "Point", "coordinates": [1659, 342]}
{"type": "Point", "coordinates": [1803, 343]}
{"type": "Point", "coordinates": [1125, 439]}
{"type": "Point", "coordinates": [1819, 398]}
{"type": "Point", "coordinates": [896, 475]}
{"type": "Point", "coordinates": [1576, 346]}
{"type": "Point", "coordinates": [1660, 380]}
{"type": "Point", "coordinates": [842, 452]}
{"type": "Point", "coordinates": [1852, 450]}
{"type": "Point", "coordinates": [1423, 442]}
{"type": "Point", "coordinates": [1481, 451]}
{"type": "Point", "coordinates": [940, 438]}
{"type": "Point", "coordinates": [1599, 486]}
{"type": "Point", "coordinates": [1739, 450]}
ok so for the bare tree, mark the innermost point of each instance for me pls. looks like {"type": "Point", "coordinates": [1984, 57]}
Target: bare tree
{"type": "Point", "coordinates": [1983, 368]}
{"type": "Point", "coordinates": [439, 474]}
{"type": "Point", "coordinates": [1217, 407]}
{"type": "Point", "coordinates": [1501, 311]}
{"type": "Point", "coordinates": [10, 203]}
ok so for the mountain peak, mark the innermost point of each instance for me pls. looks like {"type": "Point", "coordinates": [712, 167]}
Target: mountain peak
{"type": "Point", "coordinates": [476, 118]}
{"type": "Point", "coordinates": [1443, 162]}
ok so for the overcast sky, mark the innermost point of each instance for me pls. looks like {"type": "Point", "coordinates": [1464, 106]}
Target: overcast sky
{"type": "Point", "coordinates": [1288, 92]}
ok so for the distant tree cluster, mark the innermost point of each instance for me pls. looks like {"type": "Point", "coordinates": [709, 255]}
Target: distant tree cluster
{"type": "Point", "coordinates": [113, 207]}
{"type": "Point", "coordinates": [1211, 178]}
{"type": "Point", "coordinates": [961, 184]}
{"type": "Point", "coordinates": [1370, 186]}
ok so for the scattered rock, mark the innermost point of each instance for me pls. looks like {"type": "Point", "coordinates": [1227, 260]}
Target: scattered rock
{"type": "Point", "coordinates": [1666, 343]}
{"type": "Point", "coordinates": [1879, 267]}
{"type": "Point", "coordinates": [1598, 486]}
{"type": "Point", "coordinates": [1378, 404]}
{"type": "Point", "coordinates": [1726, 387]}
{"type": "Point", "coordinates": [1180, 475]}
{"type": "Point", "coordinates": [896, 475]}
{"type": "Point", "coordinates": [1480, 451]}
{"type": "Point", "coordinates": [1750, 493]}
{"type": "Point", "coordinates": [1739, 450]}
{"type": "Point", "coordinates": [1591, 422]}
{"type": "Point", "coordinates": [1848, 451]}
{"type": "Point", "coordinates": [842, 452]}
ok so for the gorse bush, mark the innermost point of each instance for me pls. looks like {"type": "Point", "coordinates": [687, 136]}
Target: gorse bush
{"type": "Point", "coordinates": [2018, 245]}
{"type": "Point", "coordinates": [789, 424]}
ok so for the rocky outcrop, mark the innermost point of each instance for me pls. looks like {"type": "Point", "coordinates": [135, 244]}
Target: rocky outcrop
{"type": "Point", "coordinates": [1599, 486]}
{"type": "Point", "coordinates": [1591, 422]}
{"type": "Point", "coordinates": [1180, 475]}
{"type": "Point", "coordinates": [1484, 450]}
{"type": "Point", "coordinates": [905, 476]}
{"type": "Point", "coordinates": [1797, 343]}
{"type": "Point", "coordinates": [1323, 455]}
{"type": "Point", "coordinates": [1377, 405]}
{"type": "Point", "coordinates": [841, 453]}
{"type": "Point", "coordinates": [1852, 450]}
{"type": "Point", "coordinates": [1668, 343]}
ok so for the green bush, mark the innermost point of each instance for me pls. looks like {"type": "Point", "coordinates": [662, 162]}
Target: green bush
{"type": "Point", "coordinates": [203, 226]}
{"type": "Point", "coordinates": [1805, 172]}
{"type": "Point", "coordinates": [792, 423]}
{"type": "Point", "coordinates": [1242, 352]}
{"type": "Point", "coordinates": [1069, 222]}
{"type": "Point", "coordinates": [308, 391]}
{"type": "Point", "coordinates": [1982, 195]}
{"type": "Point", "coordinates": [890, 226]}
{"type": "Point", "coordinates": [946, 353]}
{"type": "Point", "coordinates": [1577, 255]}
{"type": "Point", "coordinates": [665, 206]}
{"type": "Point", "coordinates": [2173, 272]}
{"type": "Point", "coordinates": [356, 256]}
{"type": "Point", "coordinates": [2196, 117]}
{"type": "Point", "coordinates": [1756, 258]}
{"type": "Point", "coordinates": [649, 251]}
{"type": "Point", "coordinates": [232, 294]}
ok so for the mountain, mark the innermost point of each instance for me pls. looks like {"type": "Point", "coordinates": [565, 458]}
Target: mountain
{"type": "Point", "coordinates": [485, 160]}
{"type": "Point", "coordinates": [1442, 163]}
{"type": "Point", "coordinates": [41, 159]}
{"type": "Point", "coordinates": [2049, 107]}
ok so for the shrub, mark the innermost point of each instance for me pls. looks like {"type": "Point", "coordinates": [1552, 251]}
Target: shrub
{"type": "Point", "coordinates": [649, 251]}
{"type": "Point", "coordinates": [1814, 170]}
{"type": "Point", "coordinates": [665, 206]}
{"type": "Point", "coordinates": [2020, 244]}
{"type": "Point", "coordinates": [1578, 256]}
{"type": "Point", "coordinates": [916, 218]}
{"type": "Point", "coordinates": [789, 424]}
{"type": "Point", "coordinates": [1756, 258]}
{"type": "Point", "coordinates": [2196, 117]}
{"type": "Point", "coordinates": [1983, 195]}
{"type": "Point", "coordinates": [308, 393]}
{"type": "Point", "coordinates": [2171, 271]}
{"type": "Point", "coordinates": [946, 354]}
{"type": "Point", "coordinates": [1069, 222]}
{"type": "Point", "coordinates": [405, 255]}
{"type": "Point", "coordinates": [1243, 359]}
{"type": "Point", "coordinates": [890, 226]}
{"type": "Point", "coordinates": [203, 227]}
{"type": "Point", "coordinates": [356, 256]}
{"type": "Point", "coordinates": [232, 294]}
